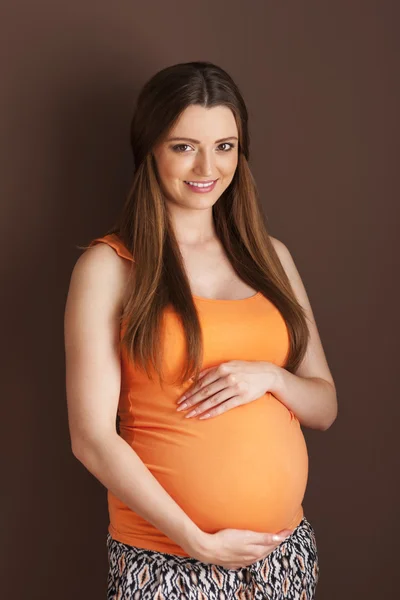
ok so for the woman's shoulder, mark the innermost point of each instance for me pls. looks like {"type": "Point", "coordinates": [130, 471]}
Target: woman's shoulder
{"type": "Point", "coordinates": [99, 276]}
{"type": "Point", "coordinates": [279, 246]}
{"type": "Point", "coordinates": [114, 242]}
{"type": "Point", "coordinates": [284, 256]}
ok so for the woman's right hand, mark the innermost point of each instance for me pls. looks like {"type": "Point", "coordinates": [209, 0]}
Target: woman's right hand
{"type": "Point", "coordinates": [236, 548]}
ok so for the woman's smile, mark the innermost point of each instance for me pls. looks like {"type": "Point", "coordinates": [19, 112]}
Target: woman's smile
{"type": "Point", "coordinates": [201, 187]}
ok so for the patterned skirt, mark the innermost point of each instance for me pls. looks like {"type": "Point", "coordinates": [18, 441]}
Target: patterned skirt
{"type": "Point", "coordinates": [290, 571]}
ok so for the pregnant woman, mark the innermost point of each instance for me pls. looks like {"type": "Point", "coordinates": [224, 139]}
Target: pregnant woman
{"type": "Point", "coordinates": [190, 325]}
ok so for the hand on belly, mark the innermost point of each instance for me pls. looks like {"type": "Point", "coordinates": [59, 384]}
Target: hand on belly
{"type": "Point", "coordinates": [244, 469]}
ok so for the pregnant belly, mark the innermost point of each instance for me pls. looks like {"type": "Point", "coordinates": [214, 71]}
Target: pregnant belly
{"type": "Point", "coordinates": [245, 469]}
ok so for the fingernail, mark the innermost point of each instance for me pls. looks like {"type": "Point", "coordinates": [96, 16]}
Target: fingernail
{"type": "Point", "coordinates": [182, 407]}
{"type": "Point", "coordinates": [277, 538]}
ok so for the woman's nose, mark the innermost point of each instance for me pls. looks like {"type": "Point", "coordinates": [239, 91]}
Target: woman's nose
{"type": "Point", "coordinates": [204, 164]}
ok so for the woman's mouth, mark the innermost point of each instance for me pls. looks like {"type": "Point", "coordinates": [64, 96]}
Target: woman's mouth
{"type": "Point", "coordinates": [201, 187]}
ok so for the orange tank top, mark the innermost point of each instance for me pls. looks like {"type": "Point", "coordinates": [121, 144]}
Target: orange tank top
{"type": "Point", "coordinates": [244, 469]}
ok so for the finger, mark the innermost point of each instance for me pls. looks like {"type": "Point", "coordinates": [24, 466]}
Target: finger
{"type": "Point", "coordinates": [215, 400]}
{"type": "Point", "coordinates": [206, 391]}
{"type": "Point", "coordinates": [271, 539]}
{"type": "Point", "coordinates": [223, 372]}
{"type": "Point", "coordinates": [204, 371]}
{"type": "Point", "coordinates": [208, 377]}
{"type": "Point", "coordinates": [206, 381]}
{"type": "Point", "coordinates": [243, 561]}
{"type": "Point", "coordinates": [233, 402]}
{"type": "Point", "coordinates": [285, 532]}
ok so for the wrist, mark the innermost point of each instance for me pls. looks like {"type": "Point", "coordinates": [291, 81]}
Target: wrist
{"type": "Point", "coordinates": [275, 378]}
{"type": "Point", "coordinates": [194, 540]}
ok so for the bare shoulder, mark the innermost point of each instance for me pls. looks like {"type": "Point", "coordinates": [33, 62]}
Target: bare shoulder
{"type": "Point", "coordinates": [282, 252]}
{"type": "Point", "coordinates": [275, 241]}
{"type": "Point", "coordinates": [95, 298]}
{"type": "Point", "coordinates": [101, 275]}
{"type": "Point", "coordinates": [290, 268]}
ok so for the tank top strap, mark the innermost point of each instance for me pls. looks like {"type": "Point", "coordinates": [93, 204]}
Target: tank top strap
{"type": "Point", "coordinates": [116, 243]}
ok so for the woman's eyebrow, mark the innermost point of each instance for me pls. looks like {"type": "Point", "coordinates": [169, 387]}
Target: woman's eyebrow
{"type": "Point", "coordinates": [175, 139]}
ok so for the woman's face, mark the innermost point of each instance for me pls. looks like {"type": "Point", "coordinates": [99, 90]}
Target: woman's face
{"type": "Point", "coordinates": [200, 148]}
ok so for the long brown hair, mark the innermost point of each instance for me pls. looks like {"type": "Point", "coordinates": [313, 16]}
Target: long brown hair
{"type": "Point", "coordinates": [158, 277]}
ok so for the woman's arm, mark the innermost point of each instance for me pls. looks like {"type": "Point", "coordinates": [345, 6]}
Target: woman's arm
{"type": "Point", "coordinates": [93, 380]}
{"type": "Point", "coordinates": [311, 392]}
{"type": "Point", "coordinates": [117, 466]}
{"type": "Point", "coordinates": [312, 399]}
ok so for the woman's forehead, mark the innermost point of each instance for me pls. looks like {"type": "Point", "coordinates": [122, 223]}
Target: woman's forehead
{"type": "Point", "coordinates": [205, 124]}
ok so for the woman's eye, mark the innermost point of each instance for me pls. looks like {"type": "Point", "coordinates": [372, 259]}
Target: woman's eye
{"type": "Point", "coordinates": [178, 146]}
{"type": "Point", "coordinates": [231, 146]}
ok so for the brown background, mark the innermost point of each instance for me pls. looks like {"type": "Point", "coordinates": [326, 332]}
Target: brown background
{"type": "Point", "coordinates": [322, 87]}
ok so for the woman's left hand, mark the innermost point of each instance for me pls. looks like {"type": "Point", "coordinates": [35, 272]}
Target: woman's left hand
{"type": "Point", "coordinates": [228, 385]}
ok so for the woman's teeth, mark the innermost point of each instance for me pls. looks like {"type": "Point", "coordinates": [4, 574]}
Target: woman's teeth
{"type": "Point", "coordinates": [199, 184]}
